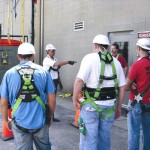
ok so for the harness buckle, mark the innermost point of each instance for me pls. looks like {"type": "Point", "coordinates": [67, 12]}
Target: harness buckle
{"type": "Point", "coordinates": [138, 98]}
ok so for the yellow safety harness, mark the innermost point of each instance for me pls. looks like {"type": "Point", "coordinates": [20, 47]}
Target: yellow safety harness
{"type": "Point", "coordinates": [102, 93]}
{"type": "Point", "coordinates": [28, 91]}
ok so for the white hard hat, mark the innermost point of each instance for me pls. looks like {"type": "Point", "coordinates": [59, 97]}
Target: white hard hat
{"type": "Point", "coordinates": [101, 39]}
{"type": "Point", "coordinates": [144, 43]}
{"type": "Point", "coordinates": [26, 48]}
{"type": "Point", "coordinates": [50, 47]}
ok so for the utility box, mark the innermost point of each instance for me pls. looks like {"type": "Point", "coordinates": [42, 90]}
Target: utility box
{"type": "Point", "coordinates": [8, 55]}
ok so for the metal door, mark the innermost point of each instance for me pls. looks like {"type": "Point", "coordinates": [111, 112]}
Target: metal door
{"type": "Point", "coordinates": [127, 48]}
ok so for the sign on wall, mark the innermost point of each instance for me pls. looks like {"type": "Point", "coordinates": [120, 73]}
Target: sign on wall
{"type": "Point", "coordinates": [145, 34]}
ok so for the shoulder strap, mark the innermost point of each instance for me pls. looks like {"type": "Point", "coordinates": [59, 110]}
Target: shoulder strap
{"type": "Point", "coordinates": [117, 56]}
{"type": "Point", "coordinates": [105, 57]}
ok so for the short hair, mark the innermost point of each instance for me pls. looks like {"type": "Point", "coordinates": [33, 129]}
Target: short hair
{"type": "Point", "coordinates": [25, 56]}
{"type": "Point", "coordinates": [102, 45]}
{"type": "Point", "coordinates": [116, 45]}
{"type": "Point", "coordinates": [105, 46]}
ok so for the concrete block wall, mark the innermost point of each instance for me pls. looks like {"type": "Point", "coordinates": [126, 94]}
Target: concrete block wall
{"type": "Point", "coordinates": [99, 16]}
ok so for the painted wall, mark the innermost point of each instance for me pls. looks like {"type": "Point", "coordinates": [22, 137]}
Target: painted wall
{"type": "Point", "coordinates": [100, 17]}
{"type": "Point", "coordinates": [109, 17]}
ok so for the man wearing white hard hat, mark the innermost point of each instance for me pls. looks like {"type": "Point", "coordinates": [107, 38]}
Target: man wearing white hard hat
{"type": "Point", "coordinates": [51, 64]}
{"type": "Point", "coordinates": [103, 79]}
{"type": "Point", "coordinates": [139, 100]}
{"type": "Point", "coordinates": [25, 87]}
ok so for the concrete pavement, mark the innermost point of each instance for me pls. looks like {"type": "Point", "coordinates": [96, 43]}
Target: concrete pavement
{"type": "Point", "coordinates": [63, 136]}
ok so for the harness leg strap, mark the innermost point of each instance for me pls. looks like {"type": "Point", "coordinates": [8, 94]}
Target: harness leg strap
{"type": "Point", "coordinates": [101, 112]}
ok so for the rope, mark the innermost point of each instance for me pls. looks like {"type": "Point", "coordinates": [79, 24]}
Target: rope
{"type": "Point", "coordinates": [22, 21]}
{"type": "Point", "coordinates": [8, 22]}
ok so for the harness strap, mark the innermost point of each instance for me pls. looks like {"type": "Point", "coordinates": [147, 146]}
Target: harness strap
{"type": "Point", "coordinates": [40, 102]}
{"type": "Point", "coordinates": [108, 58]}
{"type": "Point", "coordinates": [33, 96]}
{"type": "Point", "coordinates": [16, 105]}
{"type": "Point", "coordinates": [102, 113]}
{"type": "Point", "coordinates": [26, 130]}
{"type": "Point", "coordinates": [51, 68]}
{"type": "Point", "coordinates": [148, 86]}
{"type": "Point", "coordinates": [138, 98]}
{"type": "Point", "coordinates": [97, 91]}
{"type": "Point", "coordinates": [115, 80]}
{"type": "Point", "coordinates": [117, 56]}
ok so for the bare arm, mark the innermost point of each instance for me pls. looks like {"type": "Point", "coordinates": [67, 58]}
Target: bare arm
{"type": "Point", "coordinates": [60, 63]}
{"type": "Point", "coordinates": [4, 109]}
{"type": "Point", "coordinates": [51, 104]}
{"type": "Point", "coordinates": [78, 85]}
{"type": "Point", "coordinates": [125, 71]}
{"type": "Point", "coordinates": [129, 83]}
{"type": "Point", "coordinates": [120, 101]}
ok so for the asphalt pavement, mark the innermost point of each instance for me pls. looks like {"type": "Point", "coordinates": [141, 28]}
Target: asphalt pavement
{"type": "Point", "coordinates": [64, 136]}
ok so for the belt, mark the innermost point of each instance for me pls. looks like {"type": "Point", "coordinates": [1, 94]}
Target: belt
{"type": "Point", "coordinates": [105, 93]}
{"type": "Point", "coordinates": [26, 130]}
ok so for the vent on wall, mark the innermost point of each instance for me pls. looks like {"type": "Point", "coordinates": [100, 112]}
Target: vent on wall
{"type": "Point", "coordinates": [79, 26]}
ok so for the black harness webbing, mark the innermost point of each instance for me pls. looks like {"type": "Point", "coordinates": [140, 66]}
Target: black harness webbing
{"type": "Point", "coordinates": [26, 130]}
{"type": "Point", "coordinates": [51, 68]}
{"type": "Point", "coordinates": [138, 99]}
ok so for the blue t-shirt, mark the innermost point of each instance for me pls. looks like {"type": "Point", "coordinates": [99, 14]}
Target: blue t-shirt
{"type": "Point", "coordinates": [30, 115]}
{"type": "Point", "coordinates": [0, 90]}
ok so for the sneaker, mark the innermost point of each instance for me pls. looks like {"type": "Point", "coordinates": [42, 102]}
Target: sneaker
{"type": "Point", "coordinates": [56, 120]}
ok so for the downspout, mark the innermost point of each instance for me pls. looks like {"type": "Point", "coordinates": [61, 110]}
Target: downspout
{"type": "Point", "coordinates": [32, 23]}
{"type": "Point", "coordinates": [41, 53]}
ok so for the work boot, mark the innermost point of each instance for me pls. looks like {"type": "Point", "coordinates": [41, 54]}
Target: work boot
{"type": "Point", "coordinates": [56, 120]}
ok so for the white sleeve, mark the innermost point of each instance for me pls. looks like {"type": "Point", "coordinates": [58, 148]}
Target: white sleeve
{"type": "Point", "coordinates": [121, 76]}
{"type": "Point", "coordinates": [85, 69]}
{"type": "Point", "coordinates": [48, 63]}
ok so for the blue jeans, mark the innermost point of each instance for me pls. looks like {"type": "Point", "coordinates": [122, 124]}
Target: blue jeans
{"type": "Point", "coordinates": [135, 119]}
{"type": "Point", "coordinates": [24, 141]}
{"type": "Point", "coordinates": [97, 129]}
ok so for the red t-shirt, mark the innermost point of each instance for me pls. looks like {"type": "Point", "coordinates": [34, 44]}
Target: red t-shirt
{"type": "Point", "coordinates": [140, 73]}
{"type": "Point", "coordinates": [122, 60]}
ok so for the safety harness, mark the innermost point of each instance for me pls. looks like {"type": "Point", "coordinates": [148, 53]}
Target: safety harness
{"type": "Point", "coordinates": [139, 96]}
{"type": "Point", "coordinates": [51, 68]}
{"type": "Point", "coordinates": [100, 94]}
{"type": "Point", "coordinates": [138, 99]}
{"type": "Point", "coordinates": [28, 91]}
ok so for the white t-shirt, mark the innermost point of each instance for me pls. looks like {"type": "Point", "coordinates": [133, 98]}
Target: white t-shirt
{"type": "Point", "coordinates": [89, 72]}
{"type": "Point", "coordinates": [49, 62]}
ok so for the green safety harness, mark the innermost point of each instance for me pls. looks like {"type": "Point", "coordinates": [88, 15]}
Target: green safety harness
{"type": "Point", "coordinates": [99, 93]}
{"type": "Point", "coordinates": [117, 56]}
{"type": "Point", "coordinates": [28, 91]}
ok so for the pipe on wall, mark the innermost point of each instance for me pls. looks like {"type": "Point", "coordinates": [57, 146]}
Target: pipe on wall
{"type": "Point", "coordinates": [41, 53]}
{"type": "Point", "coordinates": [32, 23]}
